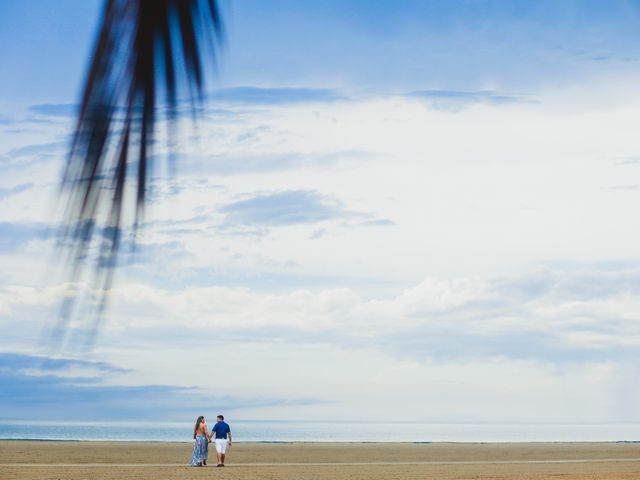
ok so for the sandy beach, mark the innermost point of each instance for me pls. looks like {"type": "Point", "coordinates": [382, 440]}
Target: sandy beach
{"type": "Point", "coordinates": [134, 460]}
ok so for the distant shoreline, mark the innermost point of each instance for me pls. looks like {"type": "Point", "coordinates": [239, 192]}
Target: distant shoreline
{"type": "Point", "coordinates": [322, 432]}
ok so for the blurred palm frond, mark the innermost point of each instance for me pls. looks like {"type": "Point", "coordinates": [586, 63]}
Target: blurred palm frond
{"type": "Point", "coordinates": [150, 57]}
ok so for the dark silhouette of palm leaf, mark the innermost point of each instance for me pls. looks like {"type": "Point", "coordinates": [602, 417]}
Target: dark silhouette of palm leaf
{"type": "Point", "coordinates": [150, 56]}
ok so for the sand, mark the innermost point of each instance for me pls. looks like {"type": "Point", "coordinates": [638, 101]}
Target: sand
{"type": "Point", "coordinates": [353, 461]}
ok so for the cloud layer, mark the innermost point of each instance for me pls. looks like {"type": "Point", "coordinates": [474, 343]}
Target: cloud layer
{"type": "Point", "coordinates": [459, 245]}
{"type": "Point", "coordinates": [46, 388]}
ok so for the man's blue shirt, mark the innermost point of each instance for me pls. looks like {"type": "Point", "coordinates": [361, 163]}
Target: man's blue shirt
{"type": "Point", "coordinates": [221, 429]}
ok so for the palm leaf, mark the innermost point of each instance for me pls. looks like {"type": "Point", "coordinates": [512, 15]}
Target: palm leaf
{"type": "Point", "coordinates": [150, 55]}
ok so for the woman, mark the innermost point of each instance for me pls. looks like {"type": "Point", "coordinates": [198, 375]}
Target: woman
{"type": "Point", "coordinates": [201, 448]}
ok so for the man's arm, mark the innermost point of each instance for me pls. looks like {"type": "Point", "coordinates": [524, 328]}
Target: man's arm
{"type": "Point", "coordinates": [230, 438]}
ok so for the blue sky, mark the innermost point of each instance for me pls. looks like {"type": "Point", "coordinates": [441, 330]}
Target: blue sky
{"type": "Point", "coordinates": [422, 204]}
{"type": "Point", "coordinates": [384, 47]}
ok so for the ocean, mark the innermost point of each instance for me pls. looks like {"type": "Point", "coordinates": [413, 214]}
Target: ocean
{"type": "Point", "coordinates": [302, 431]}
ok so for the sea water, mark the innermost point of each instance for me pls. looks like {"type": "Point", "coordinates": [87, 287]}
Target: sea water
{"type": "Point", "coordinates": [330, 431]}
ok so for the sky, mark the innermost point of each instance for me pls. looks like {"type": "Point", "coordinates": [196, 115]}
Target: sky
{"type": "Point", "coordinates": [410, 210]}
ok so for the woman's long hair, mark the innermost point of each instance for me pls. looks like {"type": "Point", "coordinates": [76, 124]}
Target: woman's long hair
{"type": "Point", "coordinates": [198, 422]}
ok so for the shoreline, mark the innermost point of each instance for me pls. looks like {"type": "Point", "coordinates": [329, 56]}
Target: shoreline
{"type": "Point", "coordinates": [349, 432]}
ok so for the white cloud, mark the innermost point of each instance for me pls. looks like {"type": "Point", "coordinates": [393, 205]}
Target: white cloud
{"type": "Point", "coordinates": [549, 316]}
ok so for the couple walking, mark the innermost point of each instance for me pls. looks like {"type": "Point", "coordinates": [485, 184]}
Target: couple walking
{"type": "Point", "coordinates": [222, 433]}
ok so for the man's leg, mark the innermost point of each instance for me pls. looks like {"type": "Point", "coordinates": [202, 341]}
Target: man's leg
{"type": "Point", "coordinates": [218, 452]}
{"type": "Point", "coordinates": [223, 451]}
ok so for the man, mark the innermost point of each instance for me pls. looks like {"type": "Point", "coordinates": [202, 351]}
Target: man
{"type": "Point", "coordinates": [223, 439]}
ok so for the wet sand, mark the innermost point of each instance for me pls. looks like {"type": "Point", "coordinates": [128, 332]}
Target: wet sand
{"type": "Point", "coordinates": [349, 461]}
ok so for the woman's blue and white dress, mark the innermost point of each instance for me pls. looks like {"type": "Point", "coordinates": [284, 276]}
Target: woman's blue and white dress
{"type": "Point", "coordinates": [200, 450]}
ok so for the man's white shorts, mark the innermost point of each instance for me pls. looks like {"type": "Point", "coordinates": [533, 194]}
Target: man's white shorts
{"type": "Point", "coordinates": [221, 445]}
